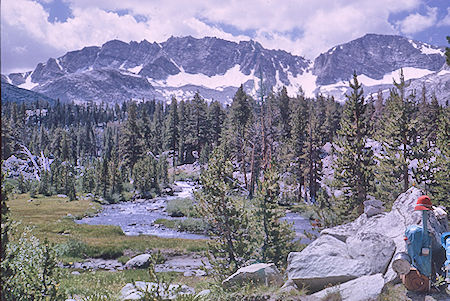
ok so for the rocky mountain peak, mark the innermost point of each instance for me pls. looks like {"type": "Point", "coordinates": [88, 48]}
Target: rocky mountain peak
{"type": "Point", "coordinates": [375, 55]}
{"type": "Point", "coordinates": [183, 65]}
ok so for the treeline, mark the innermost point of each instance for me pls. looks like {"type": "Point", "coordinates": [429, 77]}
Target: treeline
{"type": "Point", "coordinates": [102, 149]}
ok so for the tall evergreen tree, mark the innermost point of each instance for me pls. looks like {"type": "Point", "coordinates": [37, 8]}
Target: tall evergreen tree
{"type": "Point", "coordinates": [398, 137]}
{"type": "Point", "coordinates": [198, 127]}
{"type": "Point", "coordinates": [215, 121]}
{"type": "Point", "coordinates": [240, 117]}
{"type": "Point", "coordinates": [131, 144]}
{"type": "Point", "coordinates": [172, 134]}
{"type": "Point", "coordinates": [440, 186]}
{"type": "Point", "coordinates": [225, 214]}
{"type": "Point", "coordinates": [298, 141]}
{"type": "Point", "coordinates": [312, 155]}
{"type": "Point", "coordinates": [354, 163]}
{"type": "Point", "coordinates": [182, 121]}
{"type": "Point", "coordinates": [277, 234]}
{"type": "Point", "coordinates": [284, 107]}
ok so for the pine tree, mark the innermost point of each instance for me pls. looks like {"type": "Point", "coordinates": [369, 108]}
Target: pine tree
{"type": "Point", "coordinates": [131, 144]}
{"type": "Point", "coordinates": [115, 180]}
{"type": "Point", "coordinates": [103, 178]}
{"type": "Point", "coordinates": [158, 129]}
{"type": "Point", "coordinates": [277, 235]}
{"type": "Point", "coordinates": [215, 122]}
{"type": "Point", "coordinates": [172, 134]}
{"type": "Point", "coordinates": [440, 186]}
{"type": "Point", "coordinates": [182, 132]}
{"type": "Point", "coordinates": [284, 107]}
{"type": "Point", "coordinates": [312, 155]}
{"type": "Point", "coordinates": [298, 140]}
{"type": "Point", "coordinates": [146, 179]}
{"type": "Point", "coordinates": [354, 163]}
{"type": "Point", "coordinates": [240, 120]}
{"type": "Point", "coordinates": [425, 150]}
{"type": "Point", "coordinates": [6, 257]}
{"type": "Point", "coordinates": [398, 137]}
{"type": "Point", "coordinates": [225, 214]}
{"type": "Point", "coordinates": [7, 139]}
{"type": "Point", "coordinates": [197, 126]}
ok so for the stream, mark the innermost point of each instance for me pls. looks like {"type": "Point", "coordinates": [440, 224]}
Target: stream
{"type": "Point", "coordinates": [138, 217]}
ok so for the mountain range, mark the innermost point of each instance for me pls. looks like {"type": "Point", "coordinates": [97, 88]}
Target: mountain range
{"type": "Point", "coordinates": [119, 71]}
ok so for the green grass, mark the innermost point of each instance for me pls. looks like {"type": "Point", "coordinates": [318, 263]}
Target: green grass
{"type": "Point", "coordinates": [48, 217]}
{"type": "Point", "coordinates": [100, 282]}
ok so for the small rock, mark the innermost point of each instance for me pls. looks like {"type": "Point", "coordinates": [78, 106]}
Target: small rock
{"type": "Point", "coordinates": [188, 274]}
{"type": "Point", "coordinates": [138, 262]}
{"type": "Point", "coordinates": [371, 211]}
{"type": "Point", "coordinates": [203, 294]}
{"type": "Point", "coordinates": [265, 273]}
{"type": "Point", "coordinates": [30, 200]}
{"type": "Point", "coordinates": [289, 286]}
{"type": "Point", "coordinates": [200, 273]}
{"type": "Point", "coordinates": [75, 273]}
{"type": "Point", "coordinates": [62, 196]}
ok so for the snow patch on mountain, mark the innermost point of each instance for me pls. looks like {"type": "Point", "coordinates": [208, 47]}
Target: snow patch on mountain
{"type": "Point", "coordinates": [427, 49]}
{"type": "Point", "coordinates": [306, 81]}
{"type": "Point", "coordinates": [58, 64]}
{"type": "Point", "coordinates": [28, 84]}
{"type": "Point", "coordinates": [233, 77]}
{"type": "Point", "coordinates": [443, 72]}
{"type": "Point", "coordinates": [136, 69]}
{"type": "Point", "coordinates": [408, 72]}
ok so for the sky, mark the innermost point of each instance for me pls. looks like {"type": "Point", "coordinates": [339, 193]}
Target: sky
{"type": "Point", "coordinates": [34, 30]}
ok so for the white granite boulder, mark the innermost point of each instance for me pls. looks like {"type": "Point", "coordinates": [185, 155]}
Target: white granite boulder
{"type": "Point", "coordinates": [264, 273]}
{"type": "Point", "coordinates": [364, 288]}
{"type": "Point", "coordinates": [139, 262]}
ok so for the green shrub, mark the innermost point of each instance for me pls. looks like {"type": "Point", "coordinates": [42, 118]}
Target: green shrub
{"type": "Point", "coordinates": [181, 207]}
{"type": "Point", "coordinates": [192, 225]}
{"type": "Point", "coordinates": [73, 248]}
{"type": "Point", "coordinates": [77, 248]}
{"type": "Point", "coordinates": [33, 266]}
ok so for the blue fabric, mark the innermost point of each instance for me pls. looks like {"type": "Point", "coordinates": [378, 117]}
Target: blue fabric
{"type": "Point", "coordinates": [445, 241]}
{"type": "Point", "coordinates": [416, 241]}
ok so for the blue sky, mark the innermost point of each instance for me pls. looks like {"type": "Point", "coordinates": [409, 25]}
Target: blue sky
{"type": "Point", "coordinates": [34, 30]}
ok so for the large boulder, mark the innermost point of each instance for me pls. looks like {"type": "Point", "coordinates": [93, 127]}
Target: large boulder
{"type": "Point", "coordinates": [329, 260]}
{"type": "Point", "coordinates": [264, 273]}
{"type": "Point", "coordinates": [135, 291]}
{"type": "Point", "coordinates": [364, 288]}
{"type": "Point", "coordinates": [139, 262]}
{"type": "Point", "coordinates": [363, 247]}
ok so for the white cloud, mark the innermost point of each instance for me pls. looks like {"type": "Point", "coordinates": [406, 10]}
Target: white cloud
{"type": "Point", "coordinates": [416, 22]}
{"type": "Point", "coordinates": [320, 24]}
{"type": "Point", "coordinates": [446, 20]}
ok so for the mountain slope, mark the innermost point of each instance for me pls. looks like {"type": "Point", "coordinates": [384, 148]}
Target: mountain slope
{"type": "Point", "coordinates": [11, 93]}
{"type": "Point", "coordinates": [119, 71]}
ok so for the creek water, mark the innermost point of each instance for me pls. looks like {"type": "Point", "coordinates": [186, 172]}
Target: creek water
{"type": "Point", "coordinates": [138, 217]}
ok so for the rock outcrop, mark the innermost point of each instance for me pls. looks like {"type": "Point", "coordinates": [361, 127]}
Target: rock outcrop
{"type": "Point", "coordinates": [361, 248]}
